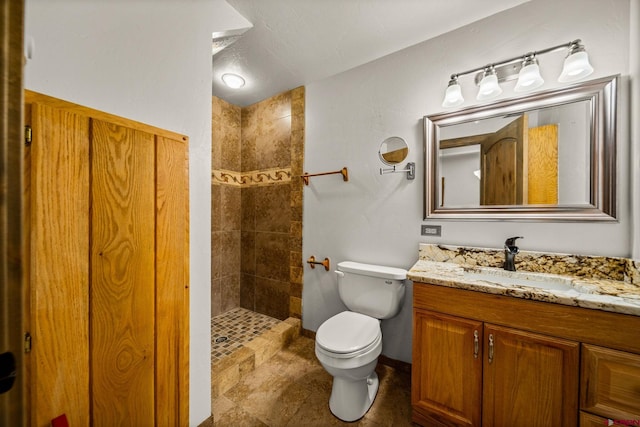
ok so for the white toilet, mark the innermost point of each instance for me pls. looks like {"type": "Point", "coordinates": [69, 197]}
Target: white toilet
{"type": "Point", "coordinates": [349, 343]}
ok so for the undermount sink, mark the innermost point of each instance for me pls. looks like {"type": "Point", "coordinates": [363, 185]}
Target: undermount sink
{"type": "Point", "coordinates": [535, 280]}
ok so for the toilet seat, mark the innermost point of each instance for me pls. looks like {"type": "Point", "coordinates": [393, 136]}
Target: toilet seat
{"type": "Point", "coordinates": [348, 334]}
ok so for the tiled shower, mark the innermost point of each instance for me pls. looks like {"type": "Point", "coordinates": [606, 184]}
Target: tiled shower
{"type": "Point", "coordinates": [256, 205]}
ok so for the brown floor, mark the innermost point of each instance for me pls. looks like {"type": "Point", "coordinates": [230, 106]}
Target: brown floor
{"type": "Point", "coordinates": [292, 389]}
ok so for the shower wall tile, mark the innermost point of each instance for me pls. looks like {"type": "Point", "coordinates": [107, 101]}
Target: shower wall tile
{"type": "Point", "coordinates": [296, 282]}
{"type": "Point", "coordinates": [248, 252]}
{"type": "Point", "coordinates": [272, 298]}
{"type": "Point", "coordinates": [249, 208]}
{"type": "Point", "coordinates": [230, 206]}
{"type": "Point", "coordinates": [248, 156]}
{"type": "Point", "coordinates": [272, 255]}
{"type": "Point", "coordinates": [277, 106]}
{"type": "Point", "coordinates": [230, 292]}
{"type": "Point", "coordinates": [248, 291]}
{"type": "Point", "coordinates": [225, 135]}
{"type": "Point", "coordinates": [216, 255]}
{"type": "Point", "coordinates": [272, 209]}
{"type": "Point", "coordinates": [230, 253]}
{"type": "Point", "coordinates": [273, 144]}
{"type": "Point", "coordinates": [216, 212]}
{"type": "Point", "coordinates": [216, 306]}
{"type": "Point", "coordinates": [257, 216]}
{"type": "Point", "coordinates": [295, 307]}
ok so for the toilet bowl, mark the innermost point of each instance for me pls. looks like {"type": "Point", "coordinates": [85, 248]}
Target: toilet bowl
{"type": "Point", "coordinates": [347, 346]}
{"type": "Point", "coordinates": [349, 343]}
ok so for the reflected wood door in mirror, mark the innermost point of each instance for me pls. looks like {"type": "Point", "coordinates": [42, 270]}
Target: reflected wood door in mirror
{"type": "Point", "coordinates": [502, 166]}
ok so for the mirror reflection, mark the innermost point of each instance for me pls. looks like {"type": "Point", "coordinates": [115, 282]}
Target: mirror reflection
{"type": "Point", "coordinates": [393, 150]}
{"type": "Point", "coordinates": [538, 158]}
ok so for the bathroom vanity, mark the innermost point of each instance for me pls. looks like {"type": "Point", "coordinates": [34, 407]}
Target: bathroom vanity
{"type": "Point", "coordinates": [533, 348]}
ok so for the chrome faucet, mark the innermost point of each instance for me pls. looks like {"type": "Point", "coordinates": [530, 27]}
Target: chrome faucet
{"type": "Point", "coordinates": [510, 251]}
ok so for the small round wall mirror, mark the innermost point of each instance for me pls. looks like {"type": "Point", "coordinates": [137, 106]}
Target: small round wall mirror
{"type": "Point", "coordinates": [393, 150]}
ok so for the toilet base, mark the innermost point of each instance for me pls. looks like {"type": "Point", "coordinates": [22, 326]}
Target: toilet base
{"type": "Point", "coordinates": [350, 400]}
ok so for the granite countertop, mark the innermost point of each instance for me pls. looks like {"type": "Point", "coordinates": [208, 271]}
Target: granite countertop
{"type": "Point", "coordinates": [454, 267]}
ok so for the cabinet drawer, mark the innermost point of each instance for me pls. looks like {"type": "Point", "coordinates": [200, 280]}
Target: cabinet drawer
{"type": "Point", "coordinates": [590, 420]}
{"type": "Point", "coordinates": [610, 383]}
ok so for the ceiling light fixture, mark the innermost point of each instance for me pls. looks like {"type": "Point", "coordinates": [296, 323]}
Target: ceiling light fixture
{"type": "Point", "coordinates": [525, 68]}
{"type": "Point", "coordinates": [234, 81]}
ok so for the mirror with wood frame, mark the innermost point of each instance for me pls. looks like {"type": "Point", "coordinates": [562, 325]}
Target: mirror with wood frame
{"type": "Point", "coordinates": [547, 156]}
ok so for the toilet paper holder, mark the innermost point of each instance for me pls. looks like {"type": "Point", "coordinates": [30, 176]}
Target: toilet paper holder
{"type": "Point", "coordinates": [312, 262]}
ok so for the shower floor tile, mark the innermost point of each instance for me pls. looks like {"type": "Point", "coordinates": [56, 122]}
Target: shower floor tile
{"type": "Point", "coordinates": [236, 327]}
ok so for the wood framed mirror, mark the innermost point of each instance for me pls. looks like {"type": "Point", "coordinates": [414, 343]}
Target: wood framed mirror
{"type": "Point", "coordinates": [550, 156]}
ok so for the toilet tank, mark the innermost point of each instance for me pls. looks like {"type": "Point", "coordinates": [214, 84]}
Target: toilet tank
{"type": "Point", "coordinates": [374, 290]}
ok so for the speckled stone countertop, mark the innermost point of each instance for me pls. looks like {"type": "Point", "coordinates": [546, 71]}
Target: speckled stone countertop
{"type": "Point", "coordinates": [602, 283]}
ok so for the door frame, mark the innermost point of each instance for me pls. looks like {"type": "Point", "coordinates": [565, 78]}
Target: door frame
{"type": "Point", "coordinates": [12, 237]}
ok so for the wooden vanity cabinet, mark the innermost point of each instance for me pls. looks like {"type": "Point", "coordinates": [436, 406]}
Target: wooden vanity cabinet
{"type": "Point", "coordinates": [491, 360]}
{"type": "Point", "coordinates": [467, 373]}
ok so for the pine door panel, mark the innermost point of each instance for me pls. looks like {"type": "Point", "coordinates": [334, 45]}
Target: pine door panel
{"type": "Point", "coordinates": [529, 379]}
{"type": "Point", "coordinates": [172, 291]}
{"type": "Point", "coordinates": [122, 296]}
{"type": "Point", "coordinates": [59, 266]}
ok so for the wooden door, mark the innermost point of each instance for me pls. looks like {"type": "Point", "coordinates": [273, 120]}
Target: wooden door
{"type": "Point", "coordinates": [172, 283]}
{"type": "Point", "coordinates": [123, 275]}
{"type": "Point", "coordinates": [503, 166]}
{"type": "Point", "coordinates": [59, 265]}
{"type": "Point", "coordinates": [447, 370]}
{"type": "Point", "coordinates": [529, 379]}
{"type": "Point", "coordinates": [109, 276]}
{"type": "Point", "coordinates": [542, 160]}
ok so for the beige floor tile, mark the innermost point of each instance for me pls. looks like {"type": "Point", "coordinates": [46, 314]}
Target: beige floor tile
{"type": "Point", "coordinates": [292, 389]}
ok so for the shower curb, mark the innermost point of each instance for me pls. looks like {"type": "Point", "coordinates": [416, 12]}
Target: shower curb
{"type": "Point", "coordinates": [227, 372]}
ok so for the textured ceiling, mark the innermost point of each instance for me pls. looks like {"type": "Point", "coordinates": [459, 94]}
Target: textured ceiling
{"type": "Point", "coordinates": [296, 42]}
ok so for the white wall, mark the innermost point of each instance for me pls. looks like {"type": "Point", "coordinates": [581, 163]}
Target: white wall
{"type": "Point", "coordinates": [634, 20]}
{"type": "Point", "coordinates": [377, 219]}
{"type": "Point", "coordinates": [149, 61]}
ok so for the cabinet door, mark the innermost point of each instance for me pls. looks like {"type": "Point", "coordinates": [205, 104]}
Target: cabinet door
{"type": "Point", "coordinates": [447, 370]}
{"type": "Point", "coordinates": [611, 383]}
{"type": "Point", "coordinates": [529, 379]}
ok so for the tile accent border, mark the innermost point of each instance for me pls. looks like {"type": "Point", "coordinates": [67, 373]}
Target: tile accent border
{"type": "Point", "coordinates": [251, 178]}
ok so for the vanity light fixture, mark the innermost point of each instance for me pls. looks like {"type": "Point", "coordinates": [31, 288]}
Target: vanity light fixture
{"type": "Point", "coordinates": [234, 81]}
{"type": "Point", "coordinates": [525, 68]}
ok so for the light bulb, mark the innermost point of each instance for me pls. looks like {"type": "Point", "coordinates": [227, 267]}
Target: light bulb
{"type": "Point", "coordinates": [234, 81]}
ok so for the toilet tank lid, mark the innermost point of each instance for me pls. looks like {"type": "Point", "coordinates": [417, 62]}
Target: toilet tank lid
{"type": "Point", "coordinates": [373, 270]}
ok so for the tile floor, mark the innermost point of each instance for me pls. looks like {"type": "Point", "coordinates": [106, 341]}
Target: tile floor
{"type": "Point", "coordinates": [292, 389]}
